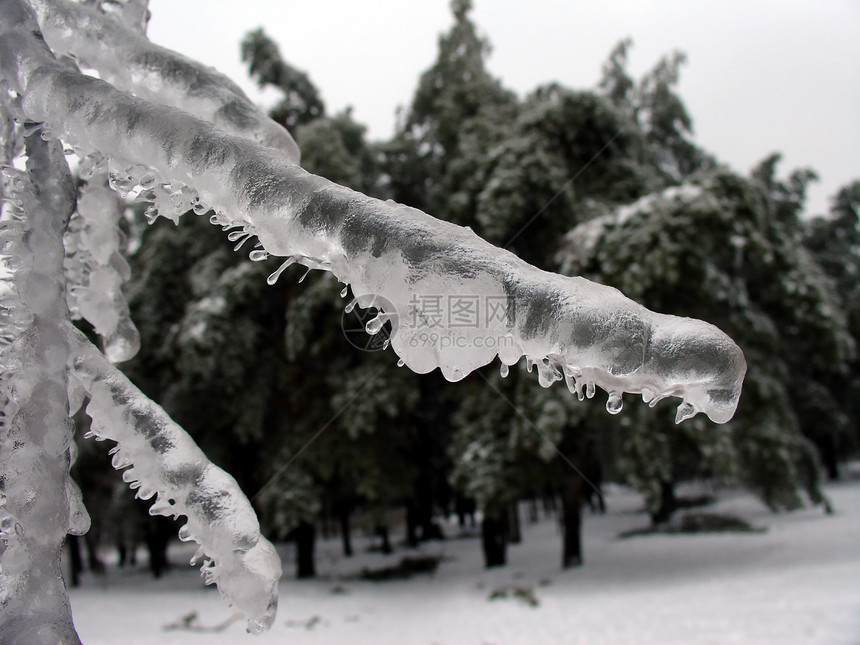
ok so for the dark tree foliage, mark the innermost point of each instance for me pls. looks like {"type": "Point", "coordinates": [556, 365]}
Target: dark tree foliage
{"type": "Point", "coordinates": [835, 242]}
{"type": "Point", "coordinates": [301, 102]}
{"type": "Point", "coordinates": [725, 248]}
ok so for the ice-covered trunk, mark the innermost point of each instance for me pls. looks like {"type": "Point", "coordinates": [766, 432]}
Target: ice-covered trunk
{"type": "Point", "coordinates": [40, 503]}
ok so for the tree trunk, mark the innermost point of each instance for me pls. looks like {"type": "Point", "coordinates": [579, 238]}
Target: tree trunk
{"type": "Point", "coordinates": [37, 425]}
{"type": "Point", "coordinates": [550, 503]}
{"type": "Point", "coordinates": [382, 532]}
{"type": "Point", "coordinates": [494, 538]}
{"type": "Point", "coordinates": [75, 561]}
{"type": "Point", "coordinates": [465, 508]}
{"type": "Point", "coordinates": [346, 535]}
{"type": "Point", "coordinates": [411, 524]}
{"type": "Point", "coordinates": [533, 510]}
{"type": "Point", "coordinates": [514, 533]}
{"type": "Point", "coordinates": [157, 532]}
{"type": "Point", "coordinates": [94, 562]}
{"type": "Point", "coordinates": [668, 503]}
{"type": "Point", "coordinates": [830, 457]}
{"type": "Point", "coordinates": [571, 501]}
{"type": "Point", "coordinates": [305, 535]}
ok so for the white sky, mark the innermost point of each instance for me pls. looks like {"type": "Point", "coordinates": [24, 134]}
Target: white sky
{"type": "Point", "coordinates": [762, 75]}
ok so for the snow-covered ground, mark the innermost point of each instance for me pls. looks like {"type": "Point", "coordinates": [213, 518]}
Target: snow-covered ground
{"type": "Point", "coordinates": [796, 583]}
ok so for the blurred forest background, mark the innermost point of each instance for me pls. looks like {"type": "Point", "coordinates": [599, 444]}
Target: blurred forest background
{"type": "Point", "coordinates": [607, 183]}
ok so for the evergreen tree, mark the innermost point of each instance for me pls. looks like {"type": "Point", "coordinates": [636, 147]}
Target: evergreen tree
{"type": "Point", "coordinates": [456, 89]}
{"type": "Point", "coordinates": [301, 102]}
{"type": "Point", "coordinates": [835, 242]}
{"type": "Point", "coordinates": [726, 248]}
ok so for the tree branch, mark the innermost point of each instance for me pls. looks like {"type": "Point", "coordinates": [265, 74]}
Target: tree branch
{"type": "Point", "coordinates": [160, 459]}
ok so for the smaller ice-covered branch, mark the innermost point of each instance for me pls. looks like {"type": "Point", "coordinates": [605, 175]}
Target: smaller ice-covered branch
{"type": "Point", "coordinates": [96, 270]}
{"type": "Point", "coordinates": [128, 60]}
{"type": "Point", "coordinates": [161, 460]}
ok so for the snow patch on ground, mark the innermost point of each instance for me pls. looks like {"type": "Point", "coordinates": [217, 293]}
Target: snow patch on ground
{"type": "Point", "coordinates": [796, 583]}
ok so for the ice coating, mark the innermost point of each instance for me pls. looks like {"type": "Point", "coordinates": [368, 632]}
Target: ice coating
{"type": "Point", "coordinates": [587, 334]}
{"type": "Point", "coordinates": [35, 430]}
{"type": "Point", "coordinates": [134, 14]}
{"type": "Point", "coordinates": [126, 58]}
{"type": "Point", "coordinates": [95, 269]}
{"type": "Point", "coordinates": [161, 460]}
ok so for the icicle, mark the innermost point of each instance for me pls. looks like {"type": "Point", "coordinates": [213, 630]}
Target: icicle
{"type": "Point", "coordinates": [258, 255]}
{"type": "Point", "coordinates": [305, 274]}
{"type": "Point", "coordinates": [504, 370]}
{"type": "Point", "coordinates": [374, 326]}
{"type": "Point", "coordinates": [547, 373]}
{"type": "Point", "coordinates": [344, 291]}
{"type": "Point", "coordinates": [273, 278]}
{"type": "Point", "coordinates": [79, 519]}
{"type": "Point", "coordinates": [351, 305]}
{"type": "Point", "coordinates": [571, 380]}
{"type": "Point", "coordinates": [161, 507]}
{"type": "Point", "coordinates": [199, 207]}
{"type": "Point", "coordinates": [685, 411]}
{"type": "Point", "coordinates": [241, 236]}
{"type": "Point", "coordinates": [386, 344]}
{"type": "Point", "coordinates": [144, 493]}
{"type": "Point", "coordinates": [120, 461]}
{"type": "Point", "coordinates": [656, 399]}
{"type": "Point", "coordinates": [197, 556]}
{"type": "Point", "coordinates": [614, 403]}
{"type": "Point", "coordinates": [401, 362]}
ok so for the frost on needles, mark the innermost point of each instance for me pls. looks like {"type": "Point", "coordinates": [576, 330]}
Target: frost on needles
{"type": "Point", "coordinates": [160, 128]}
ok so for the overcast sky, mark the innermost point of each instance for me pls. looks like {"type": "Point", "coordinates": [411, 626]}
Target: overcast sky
{"type": "Point", "coordinates": [762, 75]}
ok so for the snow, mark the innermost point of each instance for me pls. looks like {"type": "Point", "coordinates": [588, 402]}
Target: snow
{"type": "Point", "coordinates": [796, 583]}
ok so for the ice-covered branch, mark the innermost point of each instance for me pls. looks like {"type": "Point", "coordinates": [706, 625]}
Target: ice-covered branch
{"type": "Point", "coordinates": [162, 460]}
{"type": "Point", "coordinates": [128, 60]}
{"type": "Point", "coordinates": [96, 270]}
{"type": "Point", "coordinates": [398, 258]}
